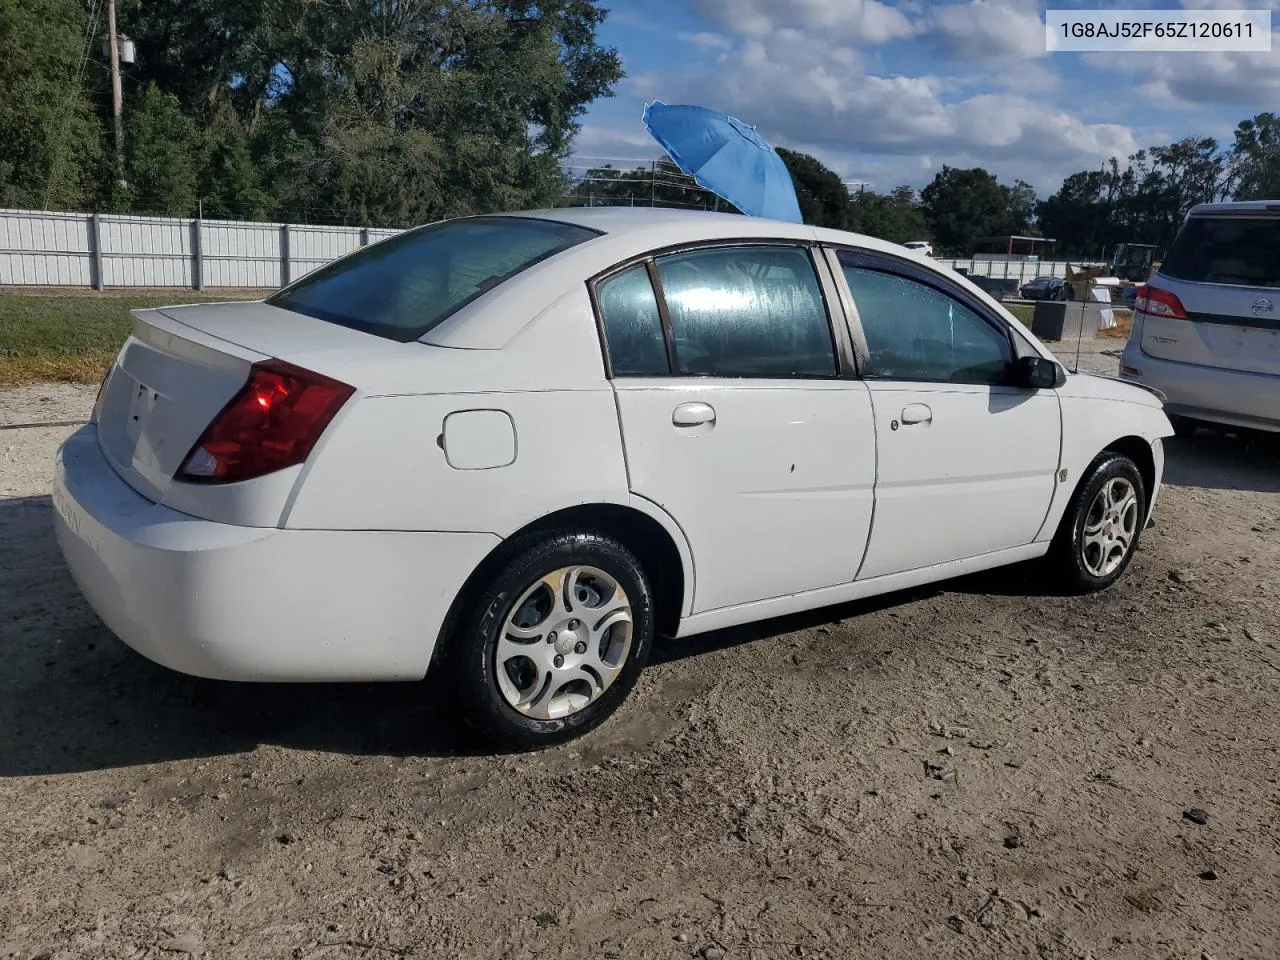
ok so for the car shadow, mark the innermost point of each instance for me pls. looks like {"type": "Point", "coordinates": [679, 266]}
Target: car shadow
{"type": "Point", "coordinates": [1245, 460]}
{"type": "Point", "coordinates": [75, 698]}
{"type": "Point", "coordinates": [669, 650]}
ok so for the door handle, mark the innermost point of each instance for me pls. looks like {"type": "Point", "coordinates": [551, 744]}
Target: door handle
{"type": "Point", "coordinates": [916, 413]}
{"type": "Point", "coordinates": [693, 415]}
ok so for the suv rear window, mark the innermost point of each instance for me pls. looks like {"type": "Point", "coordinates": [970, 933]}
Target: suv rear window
{"type": "Point", "coordinates": [1239, 250]}
{"type": "Point", "coordinates": [402, 287]}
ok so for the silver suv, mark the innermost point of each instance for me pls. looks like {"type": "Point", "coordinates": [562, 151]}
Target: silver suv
{"type": "Point", "coordinates": [1206, 328]}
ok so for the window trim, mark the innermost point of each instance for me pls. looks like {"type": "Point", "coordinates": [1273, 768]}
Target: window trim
{"type": "Point", "coordinates": [906, 270]}
{"type": "Point", "coordinates": [837, 320]}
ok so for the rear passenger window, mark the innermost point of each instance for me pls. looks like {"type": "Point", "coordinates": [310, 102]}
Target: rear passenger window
{"type": "Point", "coordinates": [749, 311]}
{"type": "Point", "coordinates": [632, 325]}
{"type": "Point", "coordinates": [915, 332]}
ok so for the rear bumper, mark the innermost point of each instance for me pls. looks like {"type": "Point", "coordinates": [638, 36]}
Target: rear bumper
{"type": "Point", "coordinates": [253, 603]}
{"type": "Point", "coordinates": [1208, 393]}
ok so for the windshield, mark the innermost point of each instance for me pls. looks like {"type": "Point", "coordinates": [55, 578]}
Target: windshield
{"type": "Point", "coordinates": [402, 287]}
{"type": "Point", "coordinates": [1237, 250]}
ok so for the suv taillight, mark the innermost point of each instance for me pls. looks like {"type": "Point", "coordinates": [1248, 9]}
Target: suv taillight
{"type": "Point", "coordinates": [1158, 303]}
{"type": "Point", "coordinates": [272, 423]}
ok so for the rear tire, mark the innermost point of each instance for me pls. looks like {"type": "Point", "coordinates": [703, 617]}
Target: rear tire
{"type": "Point", "coordinates": [1100, 531]}
{"type": "Point", "coordinates": [554, 641]}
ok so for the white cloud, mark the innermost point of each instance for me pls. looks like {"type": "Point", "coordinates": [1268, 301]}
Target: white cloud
{"type": "Point", "coordinates": [706, 40]}
{"type": "Point", "coordinates": [1246, 80]}
{"type": "Point", "coordinates": [802, 93]}
{"type": "Point", "coordinates": [595, 146]}
{"type": "Point", "coordinates": [844, 21]}
{"type": "Point", "coordinates": [983, 29]}
{"type": "Point", "coordinates": [1231, 4]}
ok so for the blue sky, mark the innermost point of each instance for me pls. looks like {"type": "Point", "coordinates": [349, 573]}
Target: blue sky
{"type": "Point", "coordinates": [886, 91]}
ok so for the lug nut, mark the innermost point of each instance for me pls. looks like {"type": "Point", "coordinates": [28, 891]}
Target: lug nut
{"type": "Point", "coordinates": [551, 637]}
{"type": "Point", "coordinates": [579, 647]}
{"type": "Point", "coordinates": [574, 624]}
{"type": "Point", "coordinates": [559, 661]}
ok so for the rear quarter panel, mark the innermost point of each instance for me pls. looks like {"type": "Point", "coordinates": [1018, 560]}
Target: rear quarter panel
{"type": "Point", "coordinates": [387, 469]}
{"type": "Point", "coordinates": [384, 465]}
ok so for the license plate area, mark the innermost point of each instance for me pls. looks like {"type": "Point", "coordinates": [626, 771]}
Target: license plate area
{"type": "Point", "coordinates": [142, 402]}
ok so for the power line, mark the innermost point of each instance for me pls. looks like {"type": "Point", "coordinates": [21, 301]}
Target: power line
{"type": "Point", "coordinates": [91, 28]}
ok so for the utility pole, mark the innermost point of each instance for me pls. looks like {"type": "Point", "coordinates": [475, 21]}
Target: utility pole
{"type": "Point", "coordinates": [117, 94]}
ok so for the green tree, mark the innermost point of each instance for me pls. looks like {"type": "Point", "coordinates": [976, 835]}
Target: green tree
{"type": "Point", "coordinates": [1075, 213]}
{"type": "Point", "coordinates": [227, 179]}
{"type": "Point", "coordinates": [388, 112]}
{"type": "Point", "coordinates": [962, 205]}
{"type": "Point", "coordinates": [1255, 158]}
{"type": "Point", "coordinates": [895, 216]}
{"type": "Point", "coordinates": [51, 141]}
{"type": "Point", "coordinates": [824, 200]}
{"type": "Point", "coordinates": [161, 143]}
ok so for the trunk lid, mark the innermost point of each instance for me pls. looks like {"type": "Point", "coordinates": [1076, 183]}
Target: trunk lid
{"type": "Point", "coordinates": [179, 368]}
{"type": "Point", "coordinates": [1224, 267]}
{"type": "Point", "coordinates": [167, 383]}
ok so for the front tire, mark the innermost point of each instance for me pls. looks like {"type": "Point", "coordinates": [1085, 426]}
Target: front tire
{"type": "Point", "coordinates": [555, 640]}
{"type": "Point", "coordinates": [1101, 528]}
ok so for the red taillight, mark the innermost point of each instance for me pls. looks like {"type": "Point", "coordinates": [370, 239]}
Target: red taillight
{"type": "Point", "coordinates": [272, 423]}
{"type": "Point", "coordinates": [1158, 303]}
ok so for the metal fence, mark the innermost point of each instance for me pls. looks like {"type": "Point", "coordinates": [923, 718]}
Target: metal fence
{"type": "Point", "coordinates": [38, 248]}
{"type": "Point", "coordinates": [1020, 270]}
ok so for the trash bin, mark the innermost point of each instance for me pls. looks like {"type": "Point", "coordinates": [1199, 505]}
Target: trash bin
{"type": "Point", "coordinates": [1055, 320]}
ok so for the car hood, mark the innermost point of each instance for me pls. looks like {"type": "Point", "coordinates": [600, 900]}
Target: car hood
{"type": "Point", "coordinates": [1095, 386]}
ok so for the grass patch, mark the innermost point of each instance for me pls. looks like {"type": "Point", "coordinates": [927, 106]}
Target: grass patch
{"type": "Point", "coordinates": [1021, 312]}
{"type": "Point", "coordinates": [70, 338]}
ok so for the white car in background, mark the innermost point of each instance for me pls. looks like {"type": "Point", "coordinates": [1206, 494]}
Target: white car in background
{"type": "Point", "coordinates": [923, 247]}
{"type": "Point", "coordinates": [514, 449]}
{"type": "Point", "coordinates": [1206, 328]}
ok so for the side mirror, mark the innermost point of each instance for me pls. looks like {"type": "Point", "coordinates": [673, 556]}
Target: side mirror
{"type": "Point", "coordinates": [1037, 373]}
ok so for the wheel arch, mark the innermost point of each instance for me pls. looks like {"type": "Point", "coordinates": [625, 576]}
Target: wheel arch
{"type": "Point", "coordinates": [1137, 448]}
{"type": "Point", "coordinates": [1139, 451]}
{"type": "Point", "coordinates": [639, 524]}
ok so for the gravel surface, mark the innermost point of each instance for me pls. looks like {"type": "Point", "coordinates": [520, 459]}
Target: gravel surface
{"type": "Point", "coordinates": [974, 770]}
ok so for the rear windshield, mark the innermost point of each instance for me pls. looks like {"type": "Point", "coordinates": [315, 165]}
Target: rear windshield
{"type": "Point", "coordinates": [402, 287]}
{"type": "Point", "coordinates": [1238, 250]}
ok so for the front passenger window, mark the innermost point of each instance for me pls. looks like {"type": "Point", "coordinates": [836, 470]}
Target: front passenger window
{"type": "Point", "coordinates": [915, 332]}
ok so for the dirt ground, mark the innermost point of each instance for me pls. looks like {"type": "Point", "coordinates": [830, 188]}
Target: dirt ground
{"type": "Point", "coordinates": [766, 792]}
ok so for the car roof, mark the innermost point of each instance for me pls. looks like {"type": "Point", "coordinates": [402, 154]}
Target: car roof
{"type": "Point", "coordinates": [1235, 207]}
{"type": "Point", "coordinates": [620, 221]}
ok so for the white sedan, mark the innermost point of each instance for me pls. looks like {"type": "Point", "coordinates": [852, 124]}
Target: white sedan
{"type": "Point", "coordinates": [515, 449]}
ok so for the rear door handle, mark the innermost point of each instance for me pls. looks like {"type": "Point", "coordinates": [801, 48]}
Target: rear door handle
{"type": "Point", "coordinates": [916, 413]}
{"type": "Point", "coordinates": [693, 415]}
